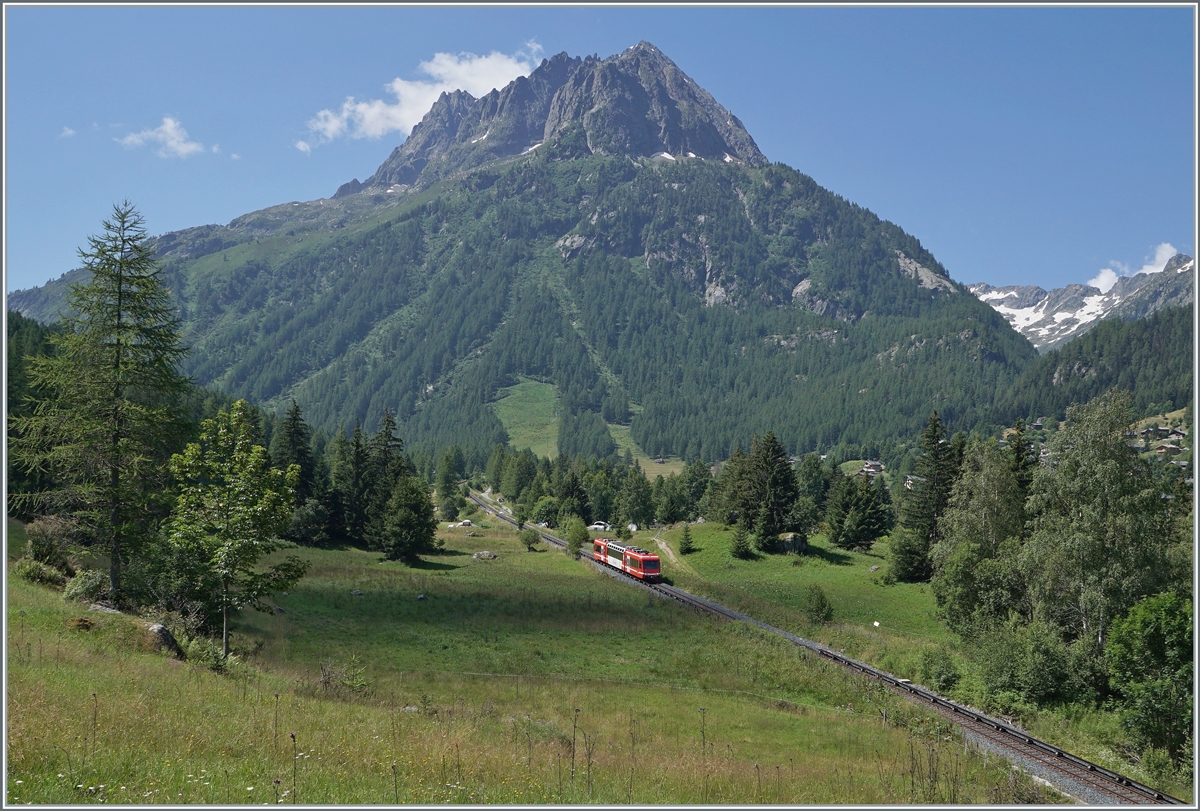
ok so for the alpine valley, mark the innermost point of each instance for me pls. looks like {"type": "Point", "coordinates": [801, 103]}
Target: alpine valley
{"type": "Point", "coordinates": [604, 226]}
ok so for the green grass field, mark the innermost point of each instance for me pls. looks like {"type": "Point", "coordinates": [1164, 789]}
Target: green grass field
{"type": "Point", "coordinates": [528, 412]}
{"type": "Point", "coordinates": [471, 695]}
{"type": "Point", "coordinates": [771, 588]}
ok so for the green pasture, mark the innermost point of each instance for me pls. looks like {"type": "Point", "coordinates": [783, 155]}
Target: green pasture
{"type": "Point", "coordinates": [479, 693]}
{"type": "Point", "coordinates": [528, 412]}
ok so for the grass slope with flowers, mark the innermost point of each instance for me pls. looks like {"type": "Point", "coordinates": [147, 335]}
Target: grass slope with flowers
{"type": "Point", "coordinates": [529, 678]}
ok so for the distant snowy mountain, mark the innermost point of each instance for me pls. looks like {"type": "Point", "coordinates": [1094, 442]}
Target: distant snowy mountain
{"type": "Point", "coordinates": [1050, 319]}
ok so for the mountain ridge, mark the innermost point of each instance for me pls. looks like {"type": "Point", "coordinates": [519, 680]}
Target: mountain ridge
{"type": "Point", "coordinates": [697, 300]}
{"type": "Point", "coordinates": [1050, 318]}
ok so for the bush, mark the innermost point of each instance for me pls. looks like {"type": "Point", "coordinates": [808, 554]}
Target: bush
{"type": "Point", "coordinates": [88, 585]}
{"type": "Point", "coordinates": [937, 670]}
{"type": "Point", "coordinates": [816, 605]}
{"type": "Point", "coordinates": [48, 539]}
{"type": "Point", "coordinates": [206, 653]}
{"type": "Point", "coordinates": [577, 535]}
{"type": "Point", "coordinates": [1157, 765]}
{"type": "Point", "coordinates": [530, 538]}
{"type": "Point", "coordinates": [37, 572]}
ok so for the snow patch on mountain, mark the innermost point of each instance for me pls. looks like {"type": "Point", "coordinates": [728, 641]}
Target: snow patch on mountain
{"type": "Point", "coordinates": [1051, 318]}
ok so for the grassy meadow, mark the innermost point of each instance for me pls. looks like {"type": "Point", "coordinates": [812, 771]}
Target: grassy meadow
{"type": "Point", "coordinates": [508, 673]}
{"type": "Point", "coordinates": [529, 413]}
{"type": "Point", "coordinates": [772, 588]}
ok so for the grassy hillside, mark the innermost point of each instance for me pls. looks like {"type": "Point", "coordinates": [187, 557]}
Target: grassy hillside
{"type": "Point", "coordinates": [529, 411]}
{"type": "Point", "coordinates": [473, 694]}
{"type": "Point", "coordinates": [772, 588]}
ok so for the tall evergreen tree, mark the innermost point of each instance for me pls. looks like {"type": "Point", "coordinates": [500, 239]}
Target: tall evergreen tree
{"type": "Point", "coordinates": [935, 470]}
{"type": "Point", "coordinates": [110, 416]}
{"type": "Point", "coordinates": [291, 444]}
{"type": "Point", "coordinates": [1022, 460]}
{"type": "Point", "coordinates": [386, 465]}
{"type": "Point", "coordinates": [408, 524]}
{"type": "Point", "coordinates": [351, 479]}
{"type": "Point", "coordinates": [773, 487]}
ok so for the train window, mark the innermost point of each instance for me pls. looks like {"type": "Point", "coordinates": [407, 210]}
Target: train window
{"type": "Point", "coordinates": [634, 562]}
{"type": "Point", "coordinates": [651, 565]}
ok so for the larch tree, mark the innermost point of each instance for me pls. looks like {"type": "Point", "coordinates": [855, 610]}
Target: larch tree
{"type": "Point", "coordinates": [104, 428]}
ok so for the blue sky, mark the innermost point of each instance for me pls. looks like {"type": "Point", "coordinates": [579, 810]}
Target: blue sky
{"type": "Point", "coordinates": [1021, 145]}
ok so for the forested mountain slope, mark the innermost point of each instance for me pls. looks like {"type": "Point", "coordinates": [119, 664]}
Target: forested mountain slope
{"type": "Point", "coordinates": [1150, 357]}
{"type": "Point", "coordinates": [704, 298]}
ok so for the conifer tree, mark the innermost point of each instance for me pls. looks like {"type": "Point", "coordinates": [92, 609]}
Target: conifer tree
{"type": "Point", "coordinates": [739, 544]}
{"type": "Point", "coordinates": [936, 470]}
{"type": "Point", "coordinates": [686, 545]}
{"type": "Point", "coordinates": [291, 444]}
{"type": "Point", "coordinates": [110, 415]}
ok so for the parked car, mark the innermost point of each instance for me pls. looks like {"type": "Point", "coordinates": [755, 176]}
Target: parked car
{"type": "Point", "coordinates": [599, 526]}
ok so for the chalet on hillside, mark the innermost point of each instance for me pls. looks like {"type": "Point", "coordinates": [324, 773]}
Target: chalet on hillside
{"type": "Point", "coordinates": [871, 469]}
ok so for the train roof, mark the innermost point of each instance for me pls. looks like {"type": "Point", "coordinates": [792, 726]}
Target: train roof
{"type": "Point", "coordinates": [637, 550]}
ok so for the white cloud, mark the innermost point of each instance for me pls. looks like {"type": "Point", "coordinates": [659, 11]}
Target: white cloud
{"type": "Point", "coordinates": [66, 133]}
{"type": "Point", "coordinates": [1107, 277]}
{"type": "Point", "coordinates": [235, 156]}
{"type": "Point", "coordinates": [172, 137]}
{"type": "Point", "coordinates": [478, 75]}
{"type": "Point", "coordinates": [216, 149]}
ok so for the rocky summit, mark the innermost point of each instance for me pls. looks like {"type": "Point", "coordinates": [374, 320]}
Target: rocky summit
{"type": "Point", "coordinates": [636, 103]}
{"type": "Point", "coordinates": [1051, 318]}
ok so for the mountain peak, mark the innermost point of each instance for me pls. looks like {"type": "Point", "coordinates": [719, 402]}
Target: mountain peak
{"type": "Point", "coordinates": [636, 103]}
{"type": "Point", "coordinates": [1051, 318]}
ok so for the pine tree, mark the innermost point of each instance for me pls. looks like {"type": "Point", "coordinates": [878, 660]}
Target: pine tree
{"type": "Point", "coordinates": [936, 470]}
{"type": "Point", "coordinates": [110, 416]}
{"type": "Point", "coordinates": [739, 545]}
{"type": "Point", "coordinates": [409, 525]}
{"type": "Point", "coordinates": [1022, 459]}
{"type": "Point", "coordinates": [291, 444]}
{"type": "Point", "coordinates": [773, 488]}
{"type": "Point", "coordinates": [686, 546]}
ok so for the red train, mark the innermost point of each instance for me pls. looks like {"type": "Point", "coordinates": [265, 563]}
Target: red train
{"type": "Point", "coordinates": [627, 558]}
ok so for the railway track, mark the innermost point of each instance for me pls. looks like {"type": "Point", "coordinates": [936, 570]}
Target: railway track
{"type": "Point", "coordinates": [1073, 774]}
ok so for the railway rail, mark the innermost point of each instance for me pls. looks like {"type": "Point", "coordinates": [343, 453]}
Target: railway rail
{"type": "Point", "coordinates": [1069, 772]}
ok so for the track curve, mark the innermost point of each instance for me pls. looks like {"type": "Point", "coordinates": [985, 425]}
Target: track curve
{"type": "Point", "coordinates": [1068, 771]}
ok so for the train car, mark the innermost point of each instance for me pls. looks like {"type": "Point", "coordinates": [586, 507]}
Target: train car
{"type": "Point", "coordinates": [627, 558]}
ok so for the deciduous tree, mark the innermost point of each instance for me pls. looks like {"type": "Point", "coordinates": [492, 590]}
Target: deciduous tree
{"type": "Point", "coordinates": [232, 508]}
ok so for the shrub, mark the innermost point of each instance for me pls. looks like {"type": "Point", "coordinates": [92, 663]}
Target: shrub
{"type": "Point", "coordinates": [938, 670]}
{"type": "Point", "coordinates": [530, 538]}
{"type": "Point", "coordinates": [577, 535]}
{"type": "Point", "coordinates": [48, 539]}
{"type": "Point", "coordinates": [1157, 765]}
{"type": "Point", "coordinates": [816, 605]}
{"type": "Point", "coordinates": [37, 572]}
{"type": "Point", "coordinates": [88, 585]}
{"type": "Point", "coordinates": [206, 653]}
